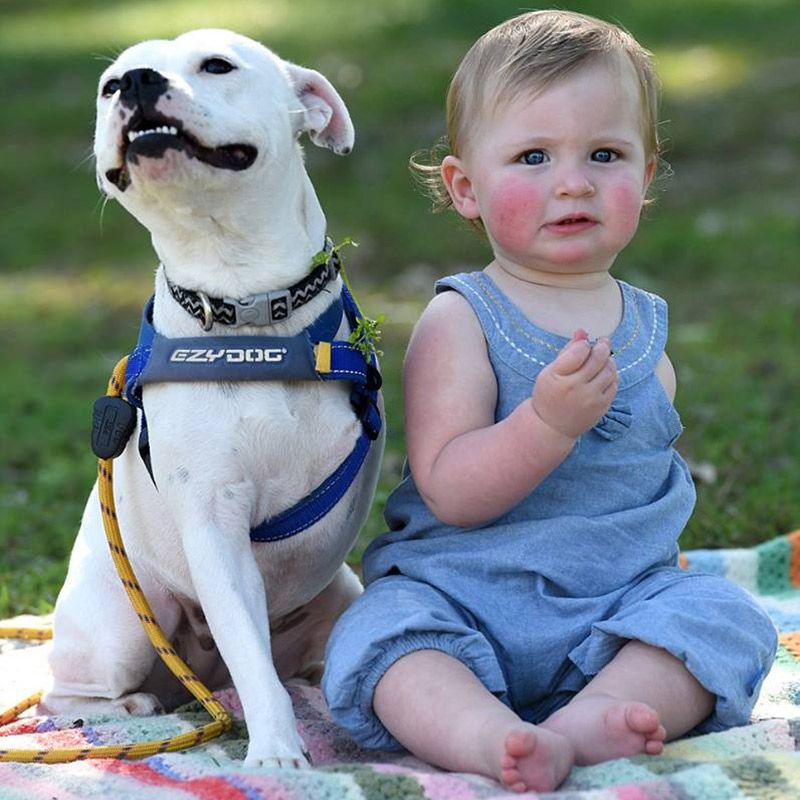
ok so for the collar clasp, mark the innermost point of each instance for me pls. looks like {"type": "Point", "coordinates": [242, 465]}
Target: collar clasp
{"type": "Point", "coordinates": [261, 309]}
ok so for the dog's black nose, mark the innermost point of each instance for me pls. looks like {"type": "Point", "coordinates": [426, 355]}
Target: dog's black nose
{"type": "Point", "coordinates": [142, 87]}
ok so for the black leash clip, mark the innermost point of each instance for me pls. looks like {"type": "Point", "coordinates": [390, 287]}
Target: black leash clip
{"type": "Point", "coordinates": [113, 422]}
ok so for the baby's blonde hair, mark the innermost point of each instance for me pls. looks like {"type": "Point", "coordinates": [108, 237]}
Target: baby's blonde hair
{"type": "Point", "coordinates": [529, 53]}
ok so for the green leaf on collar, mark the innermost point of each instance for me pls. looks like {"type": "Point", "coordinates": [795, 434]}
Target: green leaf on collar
{"type": "Point", "coordinates": [367, 335]}
{"type": "Point", "coordinates": [324, 256]}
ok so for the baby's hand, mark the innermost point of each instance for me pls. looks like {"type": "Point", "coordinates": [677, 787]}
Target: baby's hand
{"type": "Point", "coordinates": [575, 390]}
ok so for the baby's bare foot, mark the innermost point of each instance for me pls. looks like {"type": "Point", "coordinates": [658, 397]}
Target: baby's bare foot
{"type": "Point", "coordinates": [602, 727]}
{"type": "Point", "coordinates": [534, 759]}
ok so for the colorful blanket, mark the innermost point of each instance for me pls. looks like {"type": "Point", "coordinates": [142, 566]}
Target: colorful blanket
{"type": "Point", "coordinates": [760, 760]}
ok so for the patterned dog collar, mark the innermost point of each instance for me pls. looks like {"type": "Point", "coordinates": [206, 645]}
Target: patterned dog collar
{"type": "Point", "coordinates": [257, 309]}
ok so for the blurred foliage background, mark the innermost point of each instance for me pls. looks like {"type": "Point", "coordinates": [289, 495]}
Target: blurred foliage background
{"type": "Point", "coordinates": [721, 244]}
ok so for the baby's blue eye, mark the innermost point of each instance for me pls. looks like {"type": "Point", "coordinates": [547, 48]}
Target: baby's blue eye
{"type": "Point", "coordinates": [533, 157]}
{"type": "Point", "coordinates": [604, 156]}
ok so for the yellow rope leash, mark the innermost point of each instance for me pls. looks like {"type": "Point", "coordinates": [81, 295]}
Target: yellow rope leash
{"type": "Point", "coordinates": [221, 718]}
{"type": "Point", "coordinates": [40, 634]}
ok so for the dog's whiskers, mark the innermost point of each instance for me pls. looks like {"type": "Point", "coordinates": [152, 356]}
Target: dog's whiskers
{"type": "Point", "coordinates": [85, 160]}
{"type": "Point", "coordinates": [102, 202]}
{"type": "Point", "coordinates": [110, 59]}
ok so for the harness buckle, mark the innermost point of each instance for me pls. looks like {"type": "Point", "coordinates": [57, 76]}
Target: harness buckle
{"type": "Point", "coordinates": [365, 407]}
{"type": "Point", "coordinates": [261, 309]}
{"type": "Point", "coordinates": [374, 378]}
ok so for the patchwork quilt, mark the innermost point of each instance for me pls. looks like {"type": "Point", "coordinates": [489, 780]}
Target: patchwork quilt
{"type": "Point", "coordinates": [760, 760]}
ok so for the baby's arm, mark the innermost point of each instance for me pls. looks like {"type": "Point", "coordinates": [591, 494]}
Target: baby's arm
{"type": "Point", "coordinates": [665, 372]}
{"type": "Point", "coordinates": [468, 468]}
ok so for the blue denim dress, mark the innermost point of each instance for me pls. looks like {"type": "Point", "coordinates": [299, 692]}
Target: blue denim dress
{"type": "Point", "coordinates": [539, 600]}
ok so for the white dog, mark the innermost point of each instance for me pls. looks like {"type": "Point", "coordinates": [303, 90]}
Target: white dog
{"type": "Point", "coordinates": [197, 138]}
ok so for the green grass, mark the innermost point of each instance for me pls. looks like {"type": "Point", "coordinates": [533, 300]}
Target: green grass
{"type": "Point", "coordinates": [722, 243]}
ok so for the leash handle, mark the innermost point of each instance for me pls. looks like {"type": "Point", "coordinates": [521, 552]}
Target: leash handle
{"type": "Point", "coordinates": [222, 720]}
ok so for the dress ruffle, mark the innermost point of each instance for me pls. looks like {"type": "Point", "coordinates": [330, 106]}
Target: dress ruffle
{"type": "Point", "coordinates": [615, 422]}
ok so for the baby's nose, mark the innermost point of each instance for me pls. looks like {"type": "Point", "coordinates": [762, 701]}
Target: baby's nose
{"type": "Point", "coordinates": [574, 182]}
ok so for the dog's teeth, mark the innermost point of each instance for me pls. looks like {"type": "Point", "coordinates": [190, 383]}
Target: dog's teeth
{"type": "Point", "coordinates": [167, 129]}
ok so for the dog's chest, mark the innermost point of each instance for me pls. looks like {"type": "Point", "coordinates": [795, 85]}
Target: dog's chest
{"type": "Point", "coordinates": [232, 455]}
{"type": "Point", "coordinates": [272, 443]}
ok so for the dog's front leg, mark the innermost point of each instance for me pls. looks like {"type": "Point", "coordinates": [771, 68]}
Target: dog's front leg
{"type": "Point", "coordinates": [231, 591]}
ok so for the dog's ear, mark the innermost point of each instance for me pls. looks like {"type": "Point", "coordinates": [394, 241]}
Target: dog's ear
{"type": "Point", "coordinates": [326, 118]}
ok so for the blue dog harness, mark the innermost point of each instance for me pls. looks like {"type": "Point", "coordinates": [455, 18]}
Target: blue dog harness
{"type": "Point", "coordinates": [312, 354]}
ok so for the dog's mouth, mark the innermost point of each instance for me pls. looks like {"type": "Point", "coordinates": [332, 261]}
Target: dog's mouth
{"type": "Point", "coordinates": [152, 135]}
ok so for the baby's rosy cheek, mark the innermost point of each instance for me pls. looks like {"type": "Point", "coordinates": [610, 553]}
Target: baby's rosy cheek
{"type": "Point", "coordinates": [627, 202]}
{"type": "Point", "coordinates": [513, 210]}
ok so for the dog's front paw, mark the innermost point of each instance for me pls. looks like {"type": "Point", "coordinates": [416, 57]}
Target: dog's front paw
{"type": "Point", "coordinates": [139, 704]}
{"type": "Point", "coordinates": [258, 762]}
{"type": "Point", "coordinates": [286, 757]}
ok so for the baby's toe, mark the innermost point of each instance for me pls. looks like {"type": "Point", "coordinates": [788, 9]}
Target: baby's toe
{"type": "Point", "coordinates": [508, 762]}
{"type": "Point", "coordinates": [520, 743]}
{"type": "Point", "coordinates": [512, 780]}
{"type": "Point", "coordinates": [654, 747]}
{"type": "Point", "coordinates": [642, 719]}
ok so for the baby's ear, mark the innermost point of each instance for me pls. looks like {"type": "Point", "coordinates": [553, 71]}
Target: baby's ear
{"type": "Point", "coordinates": [326, 119]}
{"type": "Point", "coordinates": [649, 173]}
{"type": "Point", "coordinates": [459, 187]}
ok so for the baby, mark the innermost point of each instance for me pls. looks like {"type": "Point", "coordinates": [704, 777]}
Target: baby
{"type": "Point", "coordinates": [526, 611]}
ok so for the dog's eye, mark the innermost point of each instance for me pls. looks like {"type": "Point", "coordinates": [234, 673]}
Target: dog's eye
{"type": "Point", "coordinates": [111, 87]}
{"type": "Point", "coordinates": [216, 66]}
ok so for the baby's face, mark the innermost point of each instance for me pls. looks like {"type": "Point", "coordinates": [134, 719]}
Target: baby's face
{"type": "Point", "coordinates": [559, 177]}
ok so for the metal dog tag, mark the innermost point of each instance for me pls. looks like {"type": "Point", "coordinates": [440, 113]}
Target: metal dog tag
{"type": "Point", "coordinates": [113, 422]}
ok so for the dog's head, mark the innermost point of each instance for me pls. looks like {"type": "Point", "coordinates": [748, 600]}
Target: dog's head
{"type": "Point", "coordinates": [196, 111]}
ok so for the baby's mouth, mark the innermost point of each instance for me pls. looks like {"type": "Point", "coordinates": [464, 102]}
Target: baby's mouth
{"type": "Point", "coordinates": [572, 223]}
{"type": "Point", "coordinates": [574, 219]}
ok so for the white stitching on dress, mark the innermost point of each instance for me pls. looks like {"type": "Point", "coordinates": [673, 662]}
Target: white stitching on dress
{"type": "Point", "coordinates": [492, 292]}
{"type": "Point", "coordinates": [653, 332]}
{"type": "Point", "coordinates": [638, 324]}
{"type": "Point", "coordinates": [528, 356]}
{"type": "Point", "coordinates": [496, 324]}
{"type": "Point", "coordinates": [488, 287]}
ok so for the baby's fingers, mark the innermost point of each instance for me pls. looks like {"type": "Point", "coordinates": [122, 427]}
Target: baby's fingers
{"type": "Point", "coordinates": [607, 380]}
{"type": "Point", "coordinates": [599, 359]}
{"type": "Point", "coordinates": [572, 357]}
